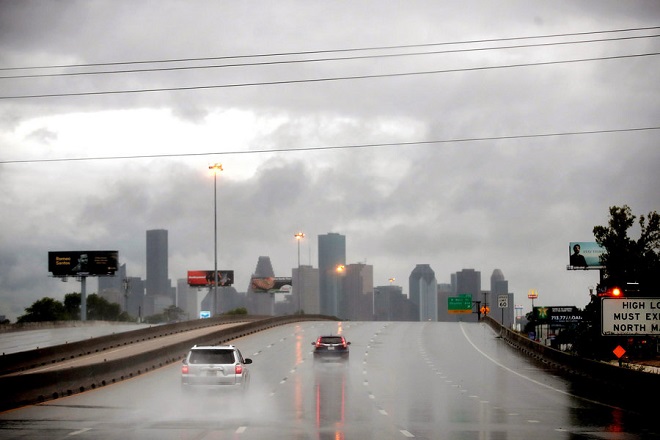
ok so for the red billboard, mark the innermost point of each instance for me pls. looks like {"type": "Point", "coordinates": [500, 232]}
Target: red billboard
{"type": "Point", "coordinates": [205, 278]}
{"type": "Point", "coordinates": [82, 263]}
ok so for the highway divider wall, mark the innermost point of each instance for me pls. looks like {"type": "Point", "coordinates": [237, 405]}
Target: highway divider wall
{"type": "Point", "coordinates": [626, 382]}
{"type": "Point", "coordinates": [23, 389]}
{"type": "Point", "coordinates": [41, 357]}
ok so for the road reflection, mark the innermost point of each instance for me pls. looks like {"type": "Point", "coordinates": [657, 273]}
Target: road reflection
{"type": "Point", "coordinates": [330, 382]}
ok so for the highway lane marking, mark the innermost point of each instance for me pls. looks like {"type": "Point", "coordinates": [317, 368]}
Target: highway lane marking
{"type": "Point", "coordinates": [406, 433]}
{"type": "Point", "coordinates": [80, 431]}
{"type": "Point", "coordinates": [241, 429]}
{"type": "Point", "coordinates": [527, 377]}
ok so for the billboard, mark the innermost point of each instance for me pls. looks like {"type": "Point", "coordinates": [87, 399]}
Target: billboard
{"type": "Point", "coordinates": [584, 255]}
{"type": "Point", "coordinates": [82, 263]}
{"type": "Point", "coordinates": [205, 278]}
{"type": "Point", "coordinates": [270, 284]}
{"type": "Point", "coordinates": [557, 315]}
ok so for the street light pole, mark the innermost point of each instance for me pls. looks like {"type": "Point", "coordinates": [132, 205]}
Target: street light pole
{"type": "Point", "coordinates": [216, 167]}
{"type": "Point", "coordinates": [299, 236]}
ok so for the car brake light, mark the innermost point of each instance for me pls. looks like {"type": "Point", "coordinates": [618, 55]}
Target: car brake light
{"type": "Point", "coordinates": [318, 342]}
{"type": "Point", "coordinates": [184, 369]}
{"type": "Point", "coordinates": [343, 342]}
{"type": "Point", "coordinates": [238, 369]}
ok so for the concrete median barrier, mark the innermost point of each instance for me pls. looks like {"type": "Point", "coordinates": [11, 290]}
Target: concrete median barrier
{"type": "Point", "coordinates": [23, 387]}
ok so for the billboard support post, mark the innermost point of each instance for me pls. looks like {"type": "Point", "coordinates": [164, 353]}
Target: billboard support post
{"type": "Point", "coordinates": [83, 298]}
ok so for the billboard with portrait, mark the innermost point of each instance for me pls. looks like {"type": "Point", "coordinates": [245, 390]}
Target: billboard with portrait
{"type": "Point", "coordinates": [584, 255]}
{"type": "Point", "coordinates": [82, 263]}
{"type": "Point", "coordinates": [270, 284]}
{"type": "Point", "coordinates": [205, 278]}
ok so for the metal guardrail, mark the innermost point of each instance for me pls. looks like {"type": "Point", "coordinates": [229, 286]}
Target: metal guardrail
{"type": "Point", "coordinates": [30, 388]}
{"type": "Point", "coordinates": [625, 384]}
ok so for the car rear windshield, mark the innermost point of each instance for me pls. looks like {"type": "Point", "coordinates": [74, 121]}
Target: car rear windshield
{"type": "Point", "coordinates": [332, 340]}
{"type": "Point", "coordinates": [212, 357]}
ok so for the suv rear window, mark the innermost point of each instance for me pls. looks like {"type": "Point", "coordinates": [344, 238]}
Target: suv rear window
{"type": "Point", "coordinates": [332, 340]}
{"type": "Point", "coordinates": [211, 357]}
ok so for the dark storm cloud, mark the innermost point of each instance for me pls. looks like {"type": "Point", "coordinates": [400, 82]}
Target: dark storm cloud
{"type": "Point", "coordinates": [513, 204]}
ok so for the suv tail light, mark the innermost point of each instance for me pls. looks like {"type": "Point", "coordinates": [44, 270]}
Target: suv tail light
{"type": "Point", "coordinates": [184, 369]}
{"type": "Point", "coordinates": [238, 369]}
{"type": "Point", "coordinates": [343, 342]}
{"type": "Point", "coordinates": [318, 342]}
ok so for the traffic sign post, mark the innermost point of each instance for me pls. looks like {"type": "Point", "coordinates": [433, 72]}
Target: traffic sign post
{"type": "Point", "coordinates": [503, 303]}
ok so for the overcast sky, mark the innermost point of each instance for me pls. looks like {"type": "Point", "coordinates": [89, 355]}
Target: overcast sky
{"type": "Point", "coordinates": [456, 134]}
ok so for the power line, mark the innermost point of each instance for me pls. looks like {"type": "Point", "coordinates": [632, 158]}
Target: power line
{"type": "Point", "coordinates": [337, 147]}
{"type": "Point", "coordinates": [316, 60]}
{"type": "Point", "coordinates": [326, 79]}
{"type": "Point", "coordinates": [358, 49]}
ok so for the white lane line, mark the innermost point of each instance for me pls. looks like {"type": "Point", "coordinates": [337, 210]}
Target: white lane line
{"type": "Point", "coordinates": [241, 429]}
{"type": "Point", "coordinates": [527, 377]}
{"type": "Point", "coordinates": [80, 431]}
{"type": "Point", "coordinates": [406, 433]}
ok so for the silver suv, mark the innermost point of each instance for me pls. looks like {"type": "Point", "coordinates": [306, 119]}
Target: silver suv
{"type": "Point", "coordinates": [216, 366]}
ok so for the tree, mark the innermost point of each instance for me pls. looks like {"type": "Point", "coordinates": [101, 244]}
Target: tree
{"type": "Point", "coordinates": [626, 260]}
{"type": "Point", "coordinates": [72, 305]}
{"type": "Point", "coordinates": [49, 309]}
{"type": "Point", "coordinates": [45, 309]}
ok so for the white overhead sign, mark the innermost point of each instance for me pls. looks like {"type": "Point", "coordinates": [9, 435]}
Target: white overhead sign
{"type": "Point", "coordinates": [630, 316]}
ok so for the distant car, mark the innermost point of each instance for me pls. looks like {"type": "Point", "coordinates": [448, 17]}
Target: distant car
{"type": "Point", "coordinates": [215, 367]}
{"type": "Point", "coordinates": [331, 346]}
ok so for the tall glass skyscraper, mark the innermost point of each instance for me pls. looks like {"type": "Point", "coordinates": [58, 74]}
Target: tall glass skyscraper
{"type": "Point", "coordinates": [423, 290]}
{"type": "Point", "coordinates": [158, 283]}
{"type": "Point", "coordinates": [332, 253]}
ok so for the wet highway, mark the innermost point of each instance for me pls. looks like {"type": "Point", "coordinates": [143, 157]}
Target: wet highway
{"type": "Point", "coordinates": [428, 380]}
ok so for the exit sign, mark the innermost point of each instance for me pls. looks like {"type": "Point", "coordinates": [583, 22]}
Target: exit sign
{"type": "Point", "coordinates": [459, 304]}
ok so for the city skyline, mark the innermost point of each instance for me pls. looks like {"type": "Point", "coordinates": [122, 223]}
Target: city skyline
{"type": "Point", "coordinates": [492, 140]}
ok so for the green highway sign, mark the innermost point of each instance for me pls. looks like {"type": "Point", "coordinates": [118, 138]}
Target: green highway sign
{"type": "Point", "coordinates": [459, 304]}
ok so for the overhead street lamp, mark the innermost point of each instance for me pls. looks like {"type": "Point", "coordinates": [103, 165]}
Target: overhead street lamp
{"type": "Point", "coordinates": [299, 236]}
{"type": "Point", "coordinates": [215, 169]}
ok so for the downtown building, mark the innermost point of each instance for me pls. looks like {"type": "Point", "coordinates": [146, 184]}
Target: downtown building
{"type": "Point", "coordinates": [357, 293]}
{"type": "Point", "coordinates": [499, 286]}
{"type": "Point", "coordinates": [423, 290]}
{"type": "Point", "coordinates": [332, 262]}
{"type": "Point", "coordinates": [160, 293]}
{"type": "Point", "coordinates": [305, 283]}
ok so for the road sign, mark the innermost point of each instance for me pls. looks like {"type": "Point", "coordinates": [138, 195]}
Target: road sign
{"type": "Point", "coordinates": [503, 301]}
{"type": "Point", "coordinates": [630, 316]}
{"type": "Point", "coordinates": [459, 304]}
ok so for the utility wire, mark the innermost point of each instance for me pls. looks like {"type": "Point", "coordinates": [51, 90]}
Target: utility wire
{"type": "Point", "coordinates": [408, 46]}
{"type": "Point", "coordinates": [326, 79]}
{"type": "Point", "coordinates": [315, 60]}
{"type": "Point", "coordinates": [336, 147]}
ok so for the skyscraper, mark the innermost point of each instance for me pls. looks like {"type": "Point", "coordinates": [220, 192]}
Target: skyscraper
{"type": "Point", "coordinates": [306, 289]}
{"type": "Point", "coordinates": [356, 301]}
{"type": "Point", "coordinates": [423, 290]}
{"type": "Point", "coordinates": [500, 286]}
{"type": "Point", "coordinates": [332, 253]}
{"type": "Point", "coordinates": [468, 282]}
{"type": "Point", "coordinates": [159, 290]}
